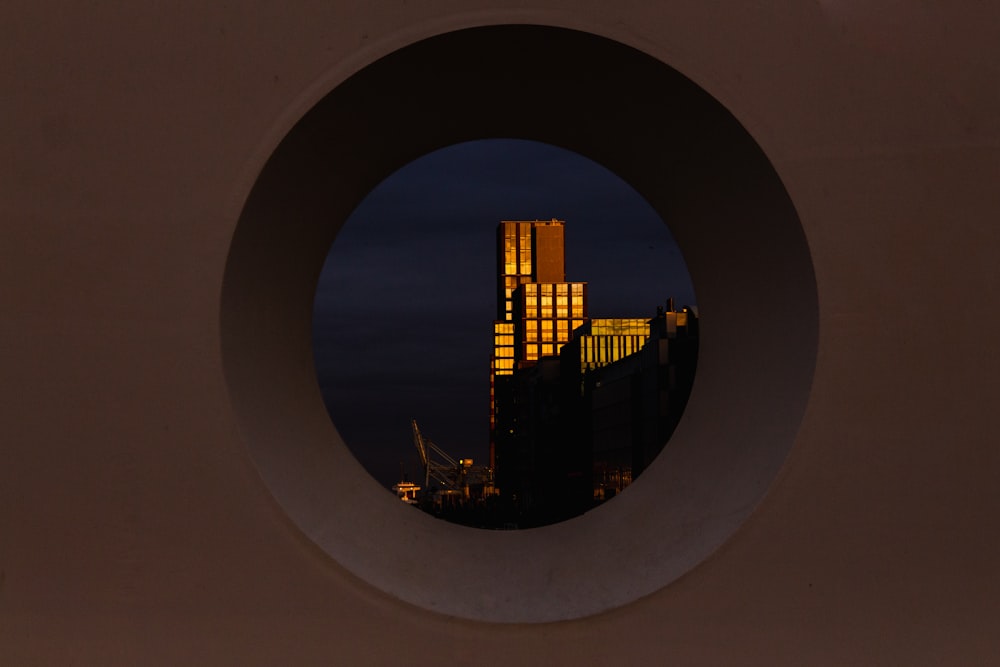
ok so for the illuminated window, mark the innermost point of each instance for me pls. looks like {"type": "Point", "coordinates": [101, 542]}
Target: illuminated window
{"type": "Point", "coordinates": [563, 330]}
{"type": "Point", "coordinates": [530, 309]}
{"type": "Point", "coordinates": [547, 349]}
{"type": "Point", "coordinates": [547, 290]}
{"type": "Point", "coordinates": [531, 326]}
{"type": "Point", "coordinates": [562, 289]}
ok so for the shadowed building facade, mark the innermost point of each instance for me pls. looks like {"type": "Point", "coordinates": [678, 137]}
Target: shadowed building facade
{"type": "Point", "coordinates": [562, 384]}
{"type": "Point", "coordinates": [634, 378]}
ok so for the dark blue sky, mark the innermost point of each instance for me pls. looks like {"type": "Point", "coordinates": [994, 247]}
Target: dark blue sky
{"type": "Point", "coordinates": [404, 309]}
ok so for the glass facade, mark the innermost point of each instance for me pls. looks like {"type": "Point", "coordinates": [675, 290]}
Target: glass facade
{"type": "Point", "coordinates": [503, 348]}
{"type": "Point", "coordinates": [547, 313]}
{"type": "Point", "coordinates": [605, 340]}
{"type": "Point", "coordinates": [527, 251]}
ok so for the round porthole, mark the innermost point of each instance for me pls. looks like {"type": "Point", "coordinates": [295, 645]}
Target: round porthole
{"type": "Point", "coordinates": [442, 296]}
{"type": "Point", "coordinates": [696, 166]}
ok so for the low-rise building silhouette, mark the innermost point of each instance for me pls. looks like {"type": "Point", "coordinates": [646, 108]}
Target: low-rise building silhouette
{"type": "Point", "coordinates": [578, 407]}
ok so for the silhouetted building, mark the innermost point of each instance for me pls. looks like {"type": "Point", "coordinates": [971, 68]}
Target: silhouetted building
{"type": "Point", "coordinates": [635, 402]}
{"type": "Point", "coordinates": [578, 406]}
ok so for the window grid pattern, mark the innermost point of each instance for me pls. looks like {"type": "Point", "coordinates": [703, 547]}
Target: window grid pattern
{"type": "Point", "coordinates": [606, 340]}
{"type": "Point", "coordinates": [517, 260]}
{"type": "Point", "coordinates": [549, 313]}
{"type": "Point", "coordinates": [503, 348]}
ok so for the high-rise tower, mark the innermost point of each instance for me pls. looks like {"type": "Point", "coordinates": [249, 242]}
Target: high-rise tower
{"type": "Point", "coordinates": [528, 252]}
{"type": "Point", "coordinates": [537, 309]}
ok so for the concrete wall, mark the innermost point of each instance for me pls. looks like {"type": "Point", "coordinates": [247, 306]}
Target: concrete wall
{"type": "Point", "coordinates": [149, 512]}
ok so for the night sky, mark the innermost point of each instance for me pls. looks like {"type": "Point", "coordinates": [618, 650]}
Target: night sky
{"type": "Point", "coordinates": [402, 323]}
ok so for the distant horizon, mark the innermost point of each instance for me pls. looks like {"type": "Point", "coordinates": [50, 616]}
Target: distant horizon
{"type": "Point", "coordinates": [405, 303]}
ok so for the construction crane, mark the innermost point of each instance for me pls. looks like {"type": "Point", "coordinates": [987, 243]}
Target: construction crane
{"type": "Point", "coordinates": [438, 464]}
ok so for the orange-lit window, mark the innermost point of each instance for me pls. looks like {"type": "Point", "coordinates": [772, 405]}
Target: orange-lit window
{"type": "Point", "coordinates": [530, 309]}
{"type": "Point", "coordinates": [577, 289]}
{"type": "Point", "coordinates": [562, 289]}
{"type": "Point", "coordinates": [577, 324]}
{"type": "Point", "coordinates": [562, 328]}
{"type": "Point", "coordinates": [547, 349]}
{"type": "Point", "coordinates": [532, 352]}
{"type": "Point", "coordinates": [547, 290]}
{"type": "Point", "coordinates": [531, 326]}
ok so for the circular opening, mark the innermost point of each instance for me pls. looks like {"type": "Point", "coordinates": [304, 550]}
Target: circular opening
{"type": "Point", "coordinates": [578, 333]}
{"type": "Point", "coordinates": [695, 165]}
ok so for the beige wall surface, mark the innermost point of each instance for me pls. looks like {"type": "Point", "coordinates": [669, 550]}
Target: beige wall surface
{"type": "Point", "coordinates": [135, 527]}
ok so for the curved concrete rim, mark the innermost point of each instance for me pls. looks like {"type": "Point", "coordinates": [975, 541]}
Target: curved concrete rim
{"type": "Point", "coordinates": [680, 149]}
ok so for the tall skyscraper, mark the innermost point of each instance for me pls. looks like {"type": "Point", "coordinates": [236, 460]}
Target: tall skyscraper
{"type": "Point", "coordinates": [537, 309]}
